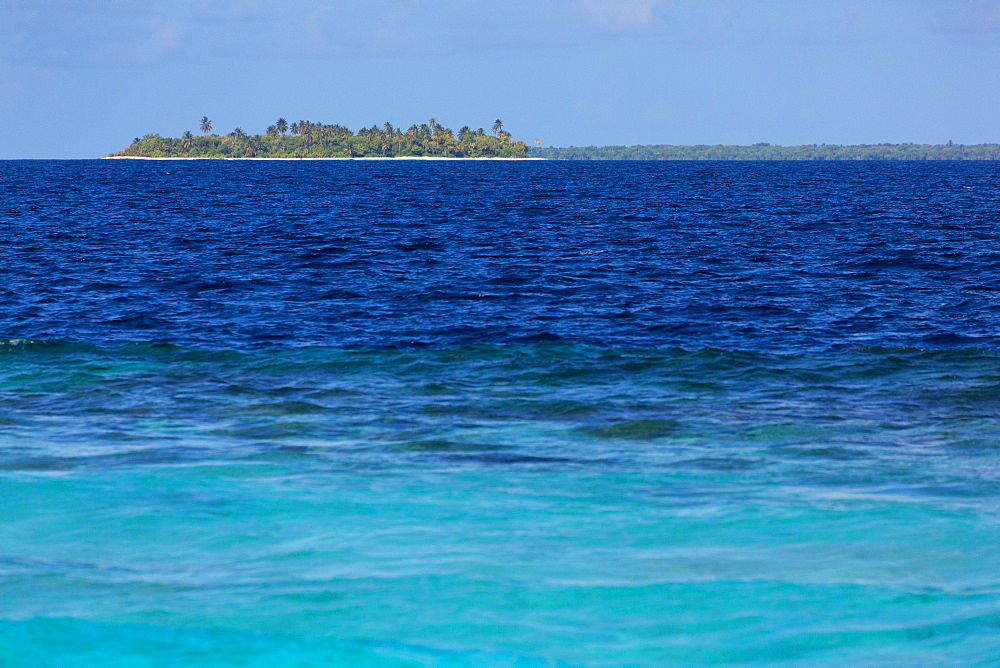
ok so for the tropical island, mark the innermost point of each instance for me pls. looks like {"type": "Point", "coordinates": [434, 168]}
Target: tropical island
{"type": "Point", "coordinates": [311, 140]}
{"type": "Point", "coordinates": [765, 151]}
{"type": "Point", "coordinates": [308, 139]}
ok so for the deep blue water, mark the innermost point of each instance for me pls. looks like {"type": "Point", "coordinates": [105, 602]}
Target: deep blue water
{"type": "Point", "coordinates": [512, 413]}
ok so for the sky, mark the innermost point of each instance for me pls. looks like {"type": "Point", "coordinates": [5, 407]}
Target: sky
{"type": "Point", "coordinates": [81, 79]}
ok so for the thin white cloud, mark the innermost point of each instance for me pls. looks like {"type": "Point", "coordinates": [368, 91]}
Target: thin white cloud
{"type": "Point", "coordinates": [623, 16]}
{"type": "Point", "coordinates": [973, 16]}
{"type": "Point", "coordinates": [236, 9]}
{"type": "Point", "coordinates": [162, 36]}
{"type": "Point", "coordinates": [67, 33]}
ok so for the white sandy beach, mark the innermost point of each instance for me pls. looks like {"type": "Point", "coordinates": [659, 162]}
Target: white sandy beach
{"type": "Point", "coordinates": [138, 157]}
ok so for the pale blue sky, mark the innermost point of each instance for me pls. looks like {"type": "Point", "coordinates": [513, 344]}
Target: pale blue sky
{"type": "Point", "coordinates": [80, 79]}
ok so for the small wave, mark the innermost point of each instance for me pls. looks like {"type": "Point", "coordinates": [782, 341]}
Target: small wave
{"type": "Point", "coordinates": [78, 642]}
{"type": "Point", "coordinates": [51, 346]}
{"type": "Point", "coordinates": [644, 429]}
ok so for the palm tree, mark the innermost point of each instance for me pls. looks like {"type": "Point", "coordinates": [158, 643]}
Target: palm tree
{"type": "Point", "coordinates": [281, 125]}
{"type": "Point", "coordinates": [187, 139]}
{"type": "Point", "coordinates": [307, 129]}
{"type": "Point", "coordinates": [206, 125]}
{"type": "Point", "coordinates": [251, 148]}
{"type": "Point", "coordinates": [497, 126]}
{"type": "Point", "coordinates": [238, 132]}
{"type": "Point", "coordinates": [390, 132]}
{"type": "Point", "coordinates": [295, 128]}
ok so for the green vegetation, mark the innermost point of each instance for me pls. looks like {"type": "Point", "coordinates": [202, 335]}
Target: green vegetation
{"type": "Point", "coordinates": [765, 151]}
{"type": "Point", "coordinates": [306, 139]}
{"type": "Point", "coordinates": [317, 140]}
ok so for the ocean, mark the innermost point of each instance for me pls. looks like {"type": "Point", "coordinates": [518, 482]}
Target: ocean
{"type": "Point", "coordinates": [499, 413]}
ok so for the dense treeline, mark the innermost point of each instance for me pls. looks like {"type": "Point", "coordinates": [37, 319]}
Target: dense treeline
{"type": "Point", "coordinates": [770, 152]}
{"type": "Point", "coordinates": [306, 139]}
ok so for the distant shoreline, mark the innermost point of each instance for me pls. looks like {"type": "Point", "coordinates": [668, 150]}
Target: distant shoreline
{"type": "Point", "coordinates": [768, 152]}
{"type": "Point", "coordinates": [402, 157]}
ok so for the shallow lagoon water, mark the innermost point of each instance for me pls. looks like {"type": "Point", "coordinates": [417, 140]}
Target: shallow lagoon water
{"type": "Point", "coordinates": [499, 414]}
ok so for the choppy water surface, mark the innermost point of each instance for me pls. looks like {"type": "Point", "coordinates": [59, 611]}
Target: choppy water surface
{"type": "Point", "coordinates": [499, 414]}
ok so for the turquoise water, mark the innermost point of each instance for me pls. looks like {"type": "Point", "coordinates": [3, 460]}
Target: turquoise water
{"type": "Point", "coordinates": [532, 504]}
